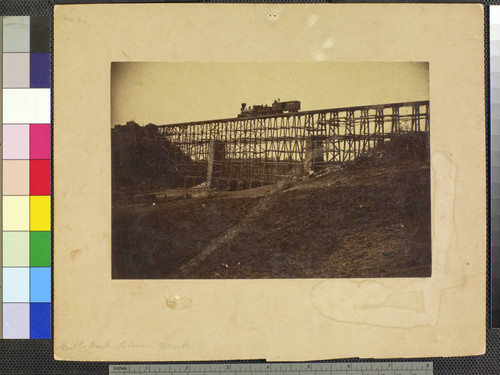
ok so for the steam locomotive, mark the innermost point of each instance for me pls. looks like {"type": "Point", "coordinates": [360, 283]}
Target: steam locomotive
{"type": "Point", "coordinates": [264, 110]}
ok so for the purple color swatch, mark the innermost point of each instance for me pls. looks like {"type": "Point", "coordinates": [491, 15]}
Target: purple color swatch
{"type": "Point", "coordinates": [16, 321]}
{"type": "Point", "coordinates": [40, 70]}
{"type": "Point", "coordinates": [16, 141]}
{"type": "Point", "coordinates": [40, 141]}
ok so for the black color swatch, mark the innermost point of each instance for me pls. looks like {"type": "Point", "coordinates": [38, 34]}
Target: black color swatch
{"type": "Point", "coordinates": [40, 34]}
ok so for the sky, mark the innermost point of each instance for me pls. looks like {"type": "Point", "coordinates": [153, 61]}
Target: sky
{"type": "Point", "coordinates": [165, 93]}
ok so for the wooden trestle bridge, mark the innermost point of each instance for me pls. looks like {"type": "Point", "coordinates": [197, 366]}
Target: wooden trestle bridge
{"type": "Point", "coordinates": [253, 151]}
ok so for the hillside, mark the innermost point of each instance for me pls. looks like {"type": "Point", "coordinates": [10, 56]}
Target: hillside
{"type": "Point", "coordinates": [369, 218]}
{"type": "Point", "coordinates": [142, 160]}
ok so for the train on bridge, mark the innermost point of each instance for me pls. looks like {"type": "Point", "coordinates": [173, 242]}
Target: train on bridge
{"type": "Point", "coordinates": [276, 108]}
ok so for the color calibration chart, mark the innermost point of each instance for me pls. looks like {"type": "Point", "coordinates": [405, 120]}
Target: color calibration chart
{"type": "Point", "coordinates": [495, 163]}
{"type": "Point", "coordinates": [26, 178]}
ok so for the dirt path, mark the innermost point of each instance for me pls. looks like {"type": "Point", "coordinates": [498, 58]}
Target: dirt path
{"type": "Point", "coordinates": [268, 195]}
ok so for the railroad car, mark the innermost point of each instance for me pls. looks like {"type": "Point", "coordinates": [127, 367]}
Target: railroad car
{"type": "Point", "coordinates": [264, 110]}
{"type": "Point", "coordinates": [290, 106]}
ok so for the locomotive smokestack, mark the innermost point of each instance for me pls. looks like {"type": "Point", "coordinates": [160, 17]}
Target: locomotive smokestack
{"type": "Point", "coordinates": [243, 105]}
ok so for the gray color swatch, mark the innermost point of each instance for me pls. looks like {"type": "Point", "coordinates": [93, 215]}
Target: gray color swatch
{"type": "Point", "coordinates": [16, 34]}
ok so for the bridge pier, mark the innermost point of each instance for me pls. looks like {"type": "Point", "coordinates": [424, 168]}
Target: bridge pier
{"type": "Point", "coordinates": [314, 154]}
{"type": "Point", "coordinates": [216, 157]}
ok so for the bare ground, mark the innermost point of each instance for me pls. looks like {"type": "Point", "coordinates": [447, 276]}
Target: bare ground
{"type": "Point", "coordinates": [370, 218]}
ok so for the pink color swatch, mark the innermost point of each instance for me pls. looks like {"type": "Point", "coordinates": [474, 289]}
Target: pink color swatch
{"type": "Point", "coordinates": [16, 141]}
{"type": "Point", "coordinates": [40, 141]}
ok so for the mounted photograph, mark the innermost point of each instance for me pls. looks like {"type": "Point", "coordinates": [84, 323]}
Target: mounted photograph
{"type": "Point", "coordinates": [270, 170]}
{"type": "Point", "coordinates": [227, 171]}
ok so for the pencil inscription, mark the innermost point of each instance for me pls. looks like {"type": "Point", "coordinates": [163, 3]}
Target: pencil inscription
{"type": "Point", "coordinates": [116, 344]}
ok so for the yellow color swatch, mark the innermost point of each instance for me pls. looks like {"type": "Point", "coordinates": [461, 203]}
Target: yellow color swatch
{"type": "Point", "coordinates": [40, 213]}
{"type": "Point", "coordinates": [16, 213]}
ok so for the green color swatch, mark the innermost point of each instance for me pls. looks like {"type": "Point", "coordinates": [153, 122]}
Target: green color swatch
{"type": "Point", "coordinates": [40, 249]}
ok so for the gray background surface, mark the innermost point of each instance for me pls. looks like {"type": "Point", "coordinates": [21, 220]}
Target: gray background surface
{"type": "Point", "coordinates": [36, 356]}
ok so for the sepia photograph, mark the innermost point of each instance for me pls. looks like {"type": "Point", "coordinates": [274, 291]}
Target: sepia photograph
{"type": "Point", "coordinates": [270, 170]}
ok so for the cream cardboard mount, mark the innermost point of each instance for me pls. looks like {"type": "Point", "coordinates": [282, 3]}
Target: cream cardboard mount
{"type": "Point", "coordinates": [100, 319]}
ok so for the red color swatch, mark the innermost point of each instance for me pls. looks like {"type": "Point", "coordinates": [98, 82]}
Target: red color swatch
{"type": "Point", "coordinates": [39, 177]}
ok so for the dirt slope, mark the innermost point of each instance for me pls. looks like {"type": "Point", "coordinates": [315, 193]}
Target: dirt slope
{"type": "Point", "coordinates": [370, 218]}
{"type": "Point", "coordinates": [142, 160]}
